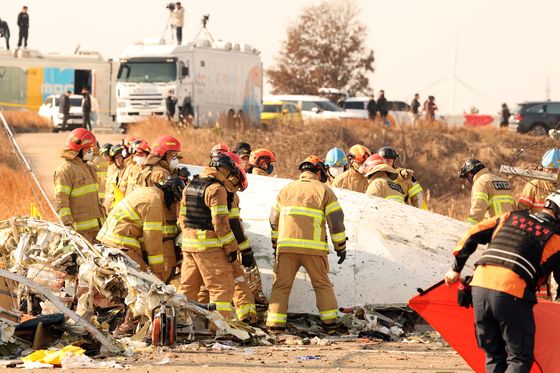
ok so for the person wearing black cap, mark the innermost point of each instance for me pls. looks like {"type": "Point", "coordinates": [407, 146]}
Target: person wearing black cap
{"type": "Point", "coordinates": [243, 150]}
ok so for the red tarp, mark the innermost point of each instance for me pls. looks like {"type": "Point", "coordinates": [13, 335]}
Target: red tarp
{"type": "Point", "coordinates": [438, 306]}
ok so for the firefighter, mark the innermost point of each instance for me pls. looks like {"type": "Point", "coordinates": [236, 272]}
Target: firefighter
{"type": "Point", "coordinates": [414, 194]}
{"type": "Point", "coordinates": [490, 193]}
{"type": "Point", "coordinates": [243, 150]}
{"type": "Point", "coordinates": [336, 162]}
{"type": "Point", "coordinates": [535, 191]}
{"type": "Point", "coordinates": [75, 186]}
{"type": "Point", "coordinates": [139, 150]}
{"type": "Point", "coordinates": [162, 162]}
{"type": "Point", "coordinates": [243, 296]}
{"type": "Point", "coordinates": [299, 238]}
{"type": "Point", "coordinates": [209, 245]}
{"type": "Point", "coordinates": [115, 171]}
{"type": "Point", "coordinates": [135, 225]}
{"type": "Point", "coordinates": [523, 249]}
{"type": "Point", "coordinates": [100, 164]}
{"type": "Point", "coordinates": [353, 179]}
{"type": "Point", "coordinates": [382, 178]}
{"type": "Point", "coordinates": [261, 161]}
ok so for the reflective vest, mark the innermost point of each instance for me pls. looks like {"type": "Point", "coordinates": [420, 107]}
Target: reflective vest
{"type": "Point", "coordinates": [518, 245]}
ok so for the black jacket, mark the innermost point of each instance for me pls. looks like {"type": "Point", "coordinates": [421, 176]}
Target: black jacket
{"type": "Point", "coordinates": [64, 104]}
{"type": "Point", "coordinates": [382, 105]}
{"type": "Point", "coordinates": [23, 20]}
{"type": "Point", "coordinates": [86, 104]}
{"type": "Point", "coordinates": [4, 29]}
{"type": "Point", "coordinates": [371, 107]}
{"type": "Point", "coordinates": [415, 106]}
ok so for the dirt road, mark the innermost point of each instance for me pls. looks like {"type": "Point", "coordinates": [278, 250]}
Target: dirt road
{"type": "Point", "coordinates": [42, 150]}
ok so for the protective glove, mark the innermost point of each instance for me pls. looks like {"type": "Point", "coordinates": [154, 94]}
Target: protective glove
{"type": "Point", "coordinates": [232, 256]}
{"type": "Point", "coordinates": [247, 258]}
{"type": "Point", "coordinates": [406, 173]}
{"type": "Point", "coordinates": [342, 255]}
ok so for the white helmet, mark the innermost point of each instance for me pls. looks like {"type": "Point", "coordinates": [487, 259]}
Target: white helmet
{"type": "Point", "coordinates": [552, 202]}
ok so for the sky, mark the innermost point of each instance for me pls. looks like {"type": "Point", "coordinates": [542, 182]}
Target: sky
{"type": "Point", "coordinates": [506, 51]}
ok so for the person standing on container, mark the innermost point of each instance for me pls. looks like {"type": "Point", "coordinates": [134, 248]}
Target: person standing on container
{"type": "Point", "coordinates": [23, 24]}
{"type": "Point", "coordinates": [178, 17]}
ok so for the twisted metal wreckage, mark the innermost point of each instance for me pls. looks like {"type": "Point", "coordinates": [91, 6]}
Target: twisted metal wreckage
{"type": "Point", "coordinates": [53, 269]}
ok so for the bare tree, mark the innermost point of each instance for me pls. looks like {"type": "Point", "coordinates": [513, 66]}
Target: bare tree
{"type": "Point", "coordinates": [326, 47]}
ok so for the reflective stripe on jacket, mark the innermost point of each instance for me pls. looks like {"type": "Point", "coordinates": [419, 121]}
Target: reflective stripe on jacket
{"type": "Point", "coordinates": [534, 194]}
{"type": "Point", "coordinates": [411, 188]}
{"type": "Point", "coordinates": [299, 216]}
{"type": "Point", "coordinates": [381, 186]}
{"type": "Point", "coordinates": [222, 237]}
{"type": "Point", "coordinates": [135, 223]}
{"type": "Point", "coordinates": [76, 194]}
{"type": "Point", "coordinates": [490, 193]}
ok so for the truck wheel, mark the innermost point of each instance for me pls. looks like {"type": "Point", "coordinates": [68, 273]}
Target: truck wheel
{"type": "Point", "coordinates": [539, 129]}
{"type": "Point", "coordinates": [230, 118]}
{"type": "Point", "coordinates": [240, 120]}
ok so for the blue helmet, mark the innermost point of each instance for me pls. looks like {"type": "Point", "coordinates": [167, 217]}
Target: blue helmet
{"type": "Point", "coordinates": [336, 158]}
{"type": "Point", "coordinates": [551, 159]}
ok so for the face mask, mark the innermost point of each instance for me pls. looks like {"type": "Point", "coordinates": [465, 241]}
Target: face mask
{"type": "Point", "coordinates": [88, 156]}
{"type": "Point", "coordinates": [270, 169]}
{"type": "Point", "coordinates": [174, 163]}
{"type": "Point", "coordinates": [335, 171]}
{"type": "Point", "coordinates": [139, 160]}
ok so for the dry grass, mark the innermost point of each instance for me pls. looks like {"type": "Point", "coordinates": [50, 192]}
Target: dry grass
{"type": "Point", "coordinates": [27, 121]}
{"type": "Point", "coordinates": [434, 151]}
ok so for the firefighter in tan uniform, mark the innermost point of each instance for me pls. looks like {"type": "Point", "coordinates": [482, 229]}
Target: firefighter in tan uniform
{"type": "Point", "coordinates": [299, 238]}
{"type": "Point", "coordinates": [101, 164]}
{"type": "Point", "coordinates": [139, 150]}
{"type": "Point", "coordinates": [382, 178]}
{"type": "Point", "coordinates": [490, 193]}
{"type": "Point", "coordinates": [352, 179]}
{"type": "Point", "coordinates": [135, 225]}
{"type": "Point", "coordinates": [414, 194]}
{"type": "Point", "coordinates": [162, 162]}
{"type": "Point", "coordinates": [209, 244]}
{"type": "Point", "coordinates": [535, 191]}
{"type": "Point", "coordinates": [115, 173]}
{"type": "Point", "coordinates": [261, 161]}
{"type": "Point", "coordinates": [75, 186]}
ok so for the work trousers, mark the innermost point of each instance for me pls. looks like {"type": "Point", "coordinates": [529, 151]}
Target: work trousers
{"type": "Point", "coordinates": [65, 117]}
{"type": "Point", "coordinates": [7, 37]}
{"type": "Point", "coordinates": [505, 330]}
{"type": "Point", "coordinates": [87, 120]}
{"type": "Point", "coordinates": [161, 271]}
{"type": "Point", "coordinates": [170, 260]}
{"type": "Point", "coordinates": [23, 34]}
{"type": "Point", "coordinates": [91, 236]}
{"type": "Point", "coordinates": [213, 271]}
{"type": "Point", "coordinates": [243, 298]}
{"type": "Point", "coordinates": [285, 270]}
{"type": "Point", "coordinates": [179, 34]}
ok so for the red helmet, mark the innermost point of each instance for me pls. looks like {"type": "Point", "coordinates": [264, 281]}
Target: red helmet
{"type": "Point", "coordinates": [261, 155]}
{"type": "Point", "coordinates": [139, 145]}
{"type": "Point", "coordinates": [377, 163]}
{"type": "Point", "coordinates": [79, 139]}
{"type": "Point", "coordinates": [219, 148]}
{"type": "Point", "coordinates": [165, 144]}
{"type": "Point", "coordinates": [231, 162]}
{"type": "Point", "coordinates": [359, 153]}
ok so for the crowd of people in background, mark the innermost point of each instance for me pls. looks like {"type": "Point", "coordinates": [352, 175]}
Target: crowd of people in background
{"type": "Point", "coordinates": [380, 108]}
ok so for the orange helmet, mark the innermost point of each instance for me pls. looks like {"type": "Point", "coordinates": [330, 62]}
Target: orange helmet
{"type": "Point", "coordinates": [377, 163]}
{"type": "Point", "coordinates": [314, 164]}
{"type": "Point", "coordinates": [261, 155]}
{"type": "Point", "coordinates": [219, 148]}
{"type": "Point", "coordinates": [359, 153]}
{"type": "Point", "coordinates": [139, 144]}
{"type": "Point", "coordinates": [79, 139]}
{"type": "Point", "coordinates": [165, 144]}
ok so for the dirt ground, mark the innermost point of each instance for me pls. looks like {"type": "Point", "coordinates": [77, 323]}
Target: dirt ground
{"type": "Point", "coordinates": [347, 356]}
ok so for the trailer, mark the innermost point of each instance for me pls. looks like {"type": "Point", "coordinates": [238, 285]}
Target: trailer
{"type": "Point", "coordinates": [28, 78]}
{"type": "Point", "coordinates": [211, 81]}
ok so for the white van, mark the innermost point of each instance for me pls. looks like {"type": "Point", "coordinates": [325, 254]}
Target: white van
{"type": "Point", "coordinates": [315, 107]}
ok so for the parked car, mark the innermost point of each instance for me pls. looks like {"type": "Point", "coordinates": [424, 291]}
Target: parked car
{"type": "Point", "coordinates": [50, 110]}
{"type": "Point", "coordinates": [315, 107]}
{"type": "Point", "coordinates": [536, 117]}
{"type": "Point", "coordinates": [400, 110]}
{"type": "Point", "coordinates": [275, 110]}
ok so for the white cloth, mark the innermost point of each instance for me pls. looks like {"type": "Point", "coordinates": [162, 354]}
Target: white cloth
{"type": "Point", "coordinates": [179, 17]}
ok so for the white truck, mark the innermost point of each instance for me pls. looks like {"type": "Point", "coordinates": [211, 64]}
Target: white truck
{"type": "Point", "coordinates": [211, 81]}
{"type": "Point", "coordinates": [28, 78]}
